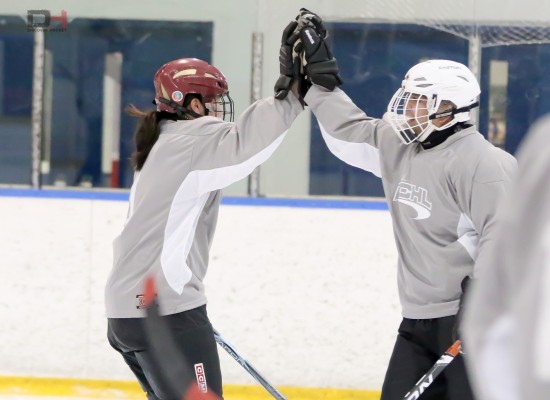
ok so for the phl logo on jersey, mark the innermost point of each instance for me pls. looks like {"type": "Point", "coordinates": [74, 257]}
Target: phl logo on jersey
{"type": "Point", "coordinates": [415, 197]}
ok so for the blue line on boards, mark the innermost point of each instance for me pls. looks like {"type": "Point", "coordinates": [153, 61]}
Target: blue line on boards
{"type": "Point", "coordinates": [229, 201]}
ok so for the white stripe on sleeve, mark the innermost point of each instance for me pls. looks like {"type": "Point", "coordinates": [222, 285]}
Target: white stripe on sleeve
{"type": "Point", "coordinates": [467, 236]}
{"type": "Point", "coordinates": [187, 207]}
{"type": "Point", "coordinates": [360, 155]}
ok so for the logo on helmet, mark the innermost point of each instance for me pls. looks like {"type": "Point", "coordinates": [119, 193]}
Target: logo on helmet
{"type": "Point", "coordinates": [177, 96]}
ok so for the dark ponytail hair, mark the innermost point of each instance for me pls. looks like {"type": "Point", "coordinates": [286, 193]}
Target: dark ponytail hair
{"type": "Point", "coordinates": [147, 134]}
{"type": "Point", "coordinates": [148, 130]}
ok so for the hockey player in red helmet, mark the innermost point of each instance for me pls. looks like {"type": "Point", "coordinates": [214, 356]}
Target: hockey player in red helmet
{"type": "Point", "coordinates": [175, 80]}
{"type": "Point", "coordinates": [187, 150]}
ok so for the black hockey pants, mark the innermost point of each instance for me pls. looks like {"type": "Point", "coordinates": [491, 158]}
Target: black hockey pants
{"type": "Point", "coordinates": [420, 342]}
{"type": "Point", "coordinates": [193, 333]}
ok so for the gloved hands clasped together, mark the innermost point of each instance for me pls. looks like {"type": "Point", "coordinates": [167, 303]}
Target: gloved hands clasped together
{"type": "Point", "coordinates": [305, 58]}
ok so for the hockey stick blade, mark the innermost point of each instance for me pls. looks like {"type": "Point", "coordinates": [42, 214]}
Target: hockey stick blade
{"type": "Point", "coordinates": [179, 379]}
{"type": "Point", "coordinates": [427, 379]}
{"type": "Point", "coordinates": [248, 367]}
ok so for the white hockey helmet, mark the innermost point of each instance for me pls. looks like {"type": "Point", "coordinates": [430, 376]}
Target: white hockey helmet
{"type": "Point", "coordinates": [434, 81]}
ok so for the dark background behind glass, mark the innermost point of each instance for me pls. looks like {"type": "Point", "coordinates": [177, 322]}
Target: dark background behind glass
{"type": "Point", "coordinates": [16, 63]}
{"type": "Point", "coordinates": [373, 59]}
{"type": "Point", "coordinates": [78, 68]}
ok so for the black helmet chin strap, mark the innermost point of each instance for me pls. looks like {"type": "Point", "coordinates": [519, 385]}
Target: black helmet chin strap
{"type": "Point", "coordinates": [180, 110]}
{"type": "Point", "coordinates": [454, 111]}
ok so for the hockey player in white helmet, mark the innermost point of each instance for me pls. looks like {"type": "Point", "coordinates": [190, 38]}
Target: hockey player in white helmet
{"type": "Point", "coordinates": [442, 181]}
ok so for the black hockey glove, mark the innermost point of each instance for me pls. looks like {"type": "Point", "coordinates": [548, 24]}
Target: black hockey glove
{"type": "Point", "coordinates": [287, 60]}
{"type": "Point", "coordinates": [309, 18]}
{"type": "Point", "coordinates": [458, 320]}
{"type": "Point", "coordinates": [320, 67]}
{"type": "Point", "coordinates": [306, 18]}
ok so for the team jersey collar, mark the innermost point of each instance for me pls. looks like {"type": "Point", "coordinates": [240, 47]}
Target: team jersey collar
{"type": "Point", "coordinates": [447, 139]}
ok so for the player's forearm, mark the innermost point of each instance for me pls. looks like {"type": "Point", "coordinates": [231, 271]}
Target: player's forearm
{"type": "Point", "coordinates": [340, 117]}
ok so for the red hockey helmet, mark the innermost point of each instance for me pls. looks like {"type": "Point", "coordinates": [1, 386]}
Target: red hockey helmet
{"type": "Point", "coordinates": [176, 79]}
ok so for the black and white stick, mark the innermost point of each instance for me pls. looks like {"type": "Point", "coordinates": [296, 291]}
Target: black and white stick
{"type": "Point", "coordinates": [434, 371]}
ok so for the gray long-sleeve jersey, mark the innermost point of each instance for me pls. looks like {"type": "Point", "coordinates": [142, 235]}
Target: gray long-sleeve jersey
{"type": "Point", "coordinates": [442, 200]}
{"type": "Point", "coordinates": [507, 313]}
{"type": "Point", "coordinates": [174, 204]}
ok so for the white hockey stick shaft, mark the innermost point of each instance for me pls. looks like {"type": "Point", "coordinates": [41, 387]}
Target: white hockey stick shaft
{"type": "Point", "coordinates": [248, 367]}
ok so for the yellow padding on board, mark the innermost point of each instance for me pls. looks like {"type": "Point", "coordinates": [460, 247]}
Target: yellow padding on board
{"type": "Point", "coordinates": [241, 392]}
{"type": "Point", "coordinates": [61, 387]}
{"type": "Point", "coordinates": [104, 389]}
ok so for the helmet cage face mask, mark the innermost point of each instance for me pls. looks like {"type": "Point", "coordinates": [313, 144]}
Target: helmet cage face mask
{"type": "Point", "coordinates": [409, 115]}
{"type": "Point", "coordinates": [221, 106]}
